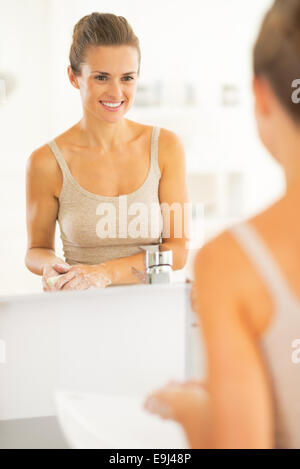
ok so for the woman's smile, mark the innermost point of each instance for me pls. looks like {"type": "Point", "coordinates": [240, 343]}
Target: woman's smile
{"type": "Point", "coordinates": [111, 105]}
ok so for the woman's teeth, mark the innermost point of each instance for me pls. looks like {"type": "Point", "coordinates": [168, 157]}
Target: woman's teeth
{"type": "Point", "coordinates": [111, 105]}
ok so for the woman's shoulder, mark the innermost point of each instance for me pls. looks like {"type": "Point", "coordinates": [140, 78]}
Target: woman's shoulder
{"type": "Point", "coordinates": [170, 146]}
{"type": "Point", "coordinates": [223, 250]}
{"type": "Point", "coordinates": [166, 136]}
{"type": "Point", "coordinates": [45, 155]}
{"type": "Point", "coordinates": [42, 157]}
{"type": "Point", "coordinates": [171, 150]}
{"type": "Point", "coordinates": [218, 256]}
{"type": "Point", "coordinates": [225, 275]}
{"type": "Point", "coordinates": [43, 164]}
{"type": "Point", "coordinates": [169, 138]}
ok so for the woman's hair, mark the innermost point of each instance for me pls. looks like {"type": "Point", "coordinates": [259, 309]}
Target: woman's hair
{"type": "Point", "coordinates": [276, 54]}
{"type": "Point", "coordinates": [100, 29]}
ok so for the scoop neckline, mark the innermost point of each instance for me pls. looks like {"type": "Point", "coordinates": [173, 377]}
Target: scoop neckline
{"type": "Point", "coordinates": [98, 196]}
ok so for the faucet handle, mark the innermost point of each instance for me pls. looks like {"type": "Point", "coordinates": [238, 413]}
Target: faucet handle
{"type": "Point", "coordinates": [154, 258]}
{"type": "Point", "coordinates": [165, 257]}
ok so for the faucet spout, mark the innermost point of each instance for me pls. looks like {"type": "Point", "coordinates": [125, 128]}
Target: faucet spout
{"type": "Point", "coordinates": [158, 266]}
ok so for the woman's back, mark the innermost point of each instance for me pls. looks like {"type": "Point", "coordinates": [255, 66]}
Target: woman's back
{"type": "Point", "coordinates": [274, 259]}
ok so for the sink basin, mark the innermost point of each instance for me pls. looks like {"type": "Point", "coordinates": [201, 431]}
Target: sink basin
{"type": "Point", "coordinates": [98, 421]}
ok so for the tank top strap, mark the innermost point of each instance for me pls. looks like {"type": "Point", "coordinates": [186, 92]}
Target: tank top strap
{"type": "Point", "coordinates": [59, 158]}
{"type": "Point", "coordinates": [264, 261]}
{"type": "Point", "coordinates": [153, 154]}
{"type": "Point", "coordinates": [154, 151]}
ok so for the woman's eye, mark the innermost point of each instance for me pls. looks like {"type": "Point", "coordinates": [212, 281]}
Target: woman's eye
{"type": "Point", "coordinates": [103, 78]}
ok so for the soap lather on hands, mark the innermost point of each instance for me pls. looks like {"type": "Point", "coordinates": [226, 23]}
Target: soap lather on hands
{"type": "Point", "coordinates": [62, 276]}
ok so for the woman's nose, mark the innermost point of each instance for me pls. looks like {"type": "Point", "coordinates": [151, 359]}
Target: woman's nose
{"type": "Point", "coordinates": [115, 90]}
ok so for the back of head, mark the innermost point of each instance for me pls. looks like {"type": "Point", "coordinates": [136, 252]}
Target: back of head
{"type": "Point", "coordinates": [100, 29]}
{"type": "Point", "coordinates": [276, 54]}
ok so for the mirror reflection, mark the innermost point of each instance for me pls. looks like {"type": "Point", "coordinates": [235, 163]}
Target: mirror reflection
{"type": "Point", "coordinates": [125, 145]}
{"type": "Point", "coordinates": [145, 159]}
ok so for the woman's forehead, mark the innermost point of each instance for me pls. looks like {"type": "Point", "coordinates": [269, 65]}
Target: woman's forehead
{"type": "Point", "coordinates": [112, 57]}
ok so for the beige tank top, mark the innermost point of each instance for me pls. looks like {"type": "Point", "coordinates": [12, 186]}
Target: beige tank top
{"type": "Point", "coordinates": [96, 228]}
{"type": "Point", "coordinates": [280, 343]}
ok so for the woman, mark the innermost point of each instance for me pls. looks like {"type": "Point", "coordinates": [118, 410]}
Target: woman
{"type": "Point", "coordinates": [247, 283]}
{"type": "Point", "coordinates": [102, 171]}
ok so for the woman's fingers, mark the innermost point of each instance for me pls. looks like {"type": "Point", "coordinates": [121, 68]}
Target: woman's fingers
{"type": "Point", "coordinates": [155, 404]}
{"type": "Point", "coordinates": [78, 283]}
{"type": "Point", "coordinates": [73, 278]}
{"type": "Point", "coordinates": [48, 271]}
{"type": "Point", "coordinates": [46, 287]}
{"type": "Point", "coordinates": [195, 384]}
{"type": "Point", "coordinates": [64, 279]}
{"type": "Point", "coordinates": [176, 400]}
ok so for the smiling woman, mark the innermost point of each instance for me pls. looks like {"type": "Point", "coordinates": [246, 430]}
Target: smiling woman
{"type": "Point", "coordinates": [102, 160]}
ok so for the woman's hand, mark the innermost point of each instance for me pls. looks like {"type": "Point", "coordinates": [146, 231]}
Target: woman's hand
{"type": "Point", "coordinates": [175, 399]}
{"type": "Point", "coordinates": [188, 404]}
{"type": "Point", "coordinates": [53, 270]}
{"type": "Point", "coordinates": [82, 277]}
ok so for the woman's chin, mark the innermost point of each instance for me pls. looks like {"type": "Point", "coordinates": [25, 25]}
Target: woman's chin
{"type": "Point", "coordinates": [112, 119]}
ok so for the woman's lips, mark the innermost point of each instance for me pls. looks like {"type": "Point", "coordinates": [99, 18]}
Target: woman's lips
{"type": "Point", "coordinates": [112, 109]}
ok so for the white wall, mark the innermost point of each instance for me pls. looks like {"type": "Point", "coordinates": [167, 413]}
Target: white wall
{"type": "Point", "coordinates": [25, 44]}
{"type": "Point", "coordinates": [207, 43]}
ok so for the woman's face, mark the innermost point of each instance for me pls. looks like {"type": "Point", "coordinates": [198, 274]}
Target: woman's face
{"type": "Point", "coordinates": [108, 81]}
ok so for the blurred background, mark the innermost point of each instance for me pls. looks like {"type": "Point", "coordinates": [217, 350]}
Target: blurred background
{"type": "Point", "coordinates": [195, 80]}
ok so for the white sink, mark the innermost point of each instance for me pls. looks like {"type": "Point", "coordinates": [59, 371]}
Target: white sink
{"type": "Point", "coordinates": [96, 421]}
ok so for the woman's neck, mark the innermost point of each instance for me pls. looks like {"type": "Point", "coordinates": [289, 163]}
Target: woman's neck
{"type": "Point", "coordinates": [101, 134]}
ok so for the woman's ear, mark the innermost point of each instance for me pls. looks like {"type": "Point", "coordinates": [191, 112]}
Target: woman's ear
{"type": "Point", "coordinates": [262, 95]}
{"type": "Point", "coordinates": [72, 78]}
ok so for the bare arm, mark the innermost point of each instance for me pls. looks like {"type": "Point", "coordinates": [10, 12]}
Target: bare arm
{"type": "Point", "coordinates": [240, 392]}
{"type": "Point", "coordinates": [173, 198]}
{"type": "Point", "coordinates": [234, 407]}
{"type": "Point", "coordinates": [41, 212]}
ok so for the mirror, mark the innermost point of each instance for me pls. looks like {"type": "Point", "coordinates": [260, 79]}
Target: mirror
{"type": "Point", "coordinates": [194, 80]}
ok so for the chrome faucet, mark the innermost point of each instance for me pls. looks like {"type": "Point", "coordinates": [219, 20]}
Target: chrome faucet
{"type": "Point", "coordinates": [158, 266]}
